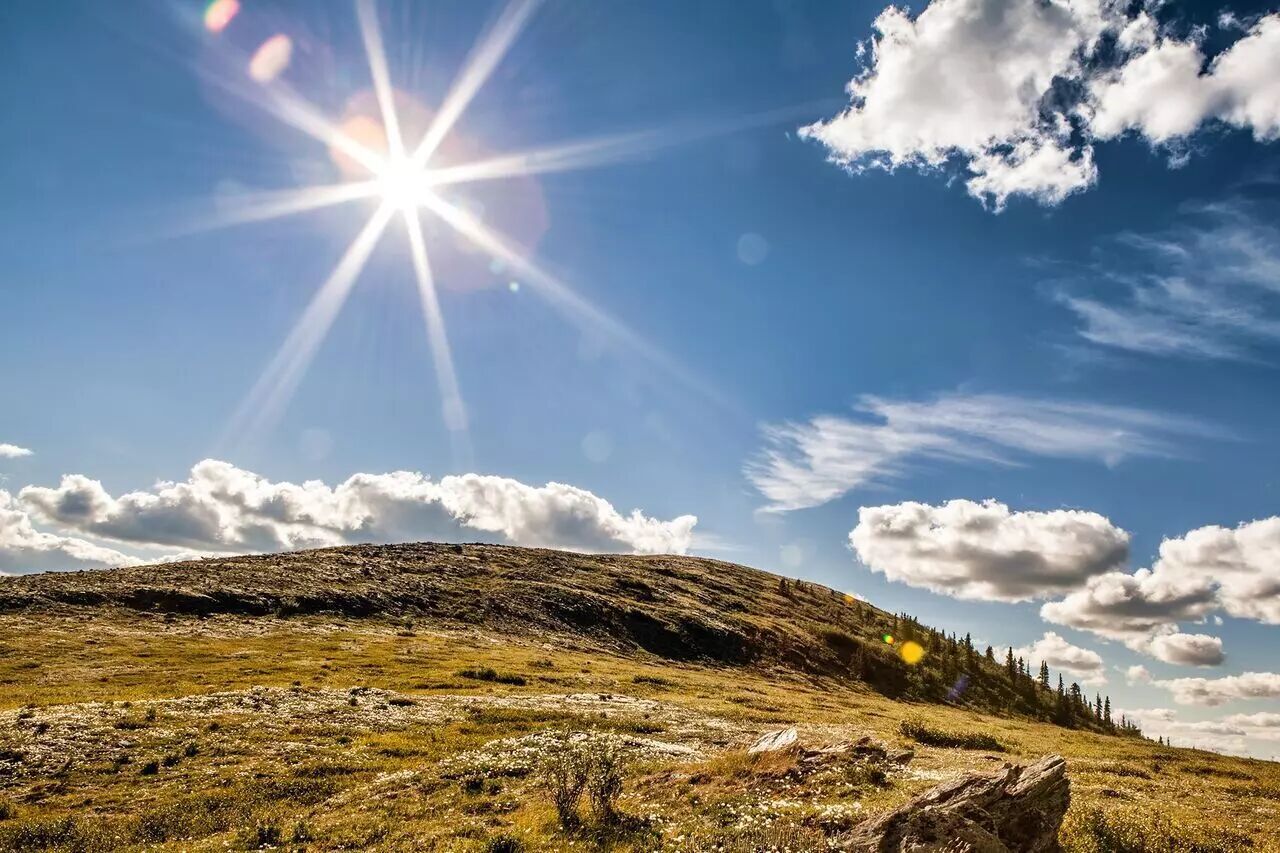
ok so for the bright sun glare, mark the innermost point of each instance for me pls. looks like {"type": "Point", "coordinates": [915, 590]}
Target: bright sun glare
{"type": "Point", "coordinates": [399, 179]}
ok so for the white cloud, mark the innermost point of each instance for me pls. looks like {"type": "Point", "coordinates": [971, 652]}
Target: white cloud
{"type": "Point", "coordinates": [1162, 94]}
{"type": "Point", "coordinates": [968, 79]}
{"type": "Point", "coordinates": [1132, 607]}
{"type": "Point", "coordinates": [808, 464]}
{"type": "Point", "coordinates": [1228, 734]}
{"type": "Point", "coordinates": [1059, 654]}
{"type": "Point", "coordinates": [1019, 93]}
{"type": "Point", "coordinates": [1209, 568]}
{"type": "Point", "coordinates": [1137, 674]}
{"type": "Point", "coordinates": [1187, 649]}
{"type": "Point", "coordinates": [25, 549]}
{"type": "Point", "coordinates": [224, 508]}
{"type": "Point", "coordinates": [1218, 691]}
{"type": "Point", "coordinates": [1209, 288]}
{"type": "Point", "coordinates": [985, 551]}
{"type": "Point", "coordinates": [13, 451]}
{"type": "Point", "coordinates": [1263, 724]}
{"type": "Point", "coordinates": [1244, 563]}
{"type": "Point", "coordinates": [1218, 735]}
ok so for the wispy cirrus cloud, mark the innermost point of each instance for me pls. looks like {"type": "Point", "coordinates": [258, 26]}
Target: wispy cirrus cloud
{"type": "Point", "coordinates": [810, 463]}
{"type": "Point", "coordinates": [1208, 288]}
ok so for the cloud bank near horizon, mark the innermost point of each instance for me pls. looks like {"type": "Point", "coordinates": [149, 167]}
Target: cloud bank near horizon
{"type": "Point", "coordinates": [221, 508]}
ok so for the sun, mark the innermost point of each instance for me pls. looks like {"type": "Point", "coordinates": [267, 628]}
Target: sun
{"type": "Point", "coordinates": [403, 186]}
{"type": "Point", "coordinates": [378, 165]}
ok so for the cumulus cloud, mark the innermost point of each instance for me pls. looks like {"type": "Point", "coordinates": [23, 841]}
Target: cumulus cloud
{"type": "Point", "coordinates": [1137, 674]}
{"type": "Point", "coordinates": [1187, 649]}
{"type": "Point", "coordinates": [1263, 724]}
{"type": "Point", "coordinates": [808, 464]}
{"type": "Point", "coordinates": [223, 508]}
{"type": "Point", "coordinates": [986, 551]}
{"type": "Point", "coordinates": [23, 548]}
{"type": "Point", "coordinates": [1209, 288]}
{"type": "Point", "coordinates": [1132, 607]}
{"type": "Point", "coordinates": [1210, 568]}
{"type": "Point", "coordinates": [1059, 654]}
{"type": "Point", "coordinates": [1218, 691]}
{"type": "Point", "coordinates": [1019, 93]}
{"type": "Point", "coordinates": [1242, 562]}
{"type": "Point", "coordinates": [1163, 93]}
{"type": "Point", "coordinates": [13, 451]}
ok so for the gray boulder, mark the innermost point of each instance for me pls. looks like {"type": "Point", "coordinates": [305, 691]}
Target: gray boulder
{"type": "Point", "coordinates": [1018, 811]}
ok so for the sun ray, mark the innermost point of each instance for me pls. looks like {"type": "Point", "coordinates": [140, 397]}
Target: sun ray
{"type": "Point", "coordinates": [452, 406]}
{"type": "Point", "coordinates": [376, 52]}
{"type": "Point", "coordinates": [264, 403]}
{"type": "Point", "coordinates": [278, 100]}
{"type": "Point", "coordinates": [554, 158]}
{"type": "Point", "coordinates": [404, 183]}
{"type": "Point", "coordinates": [480, 64]}
{"type": "Point", "coordinates": [560, 294]}
{"type": "Point", "coordinates": [260, 206]}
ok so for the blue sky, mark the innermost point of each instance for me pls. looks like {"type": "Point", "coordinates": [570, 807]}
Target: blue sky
{"type": "Point", "coordinates": [1062, 299]}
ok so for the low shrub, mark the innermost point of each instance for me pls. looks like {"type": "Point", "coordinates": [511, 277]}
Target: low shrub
{"type": "Point", "coordinates": [922, 732]}
{"type": "Point", "coordinates": [604, 778]}
{"type": "Point", "coordinates": [655, 680]}
{"type": "Point", "coordinates": [564, 773]}
{"type": "Point", "coordinates": [490, 674]}
{"type": "Point", "coordinates": [585, 762]}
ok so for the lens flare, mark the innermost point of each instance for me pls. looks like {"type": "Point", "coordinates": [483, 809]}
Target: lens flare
{"type": "Point", "coordinates": [271, 58]}
{"type": "Point", "coordinates": [218, 14]}
{"type": "Point", "coordinates": [958, 688]}
{"type": "Point", "coordinates": [888, 638]}
{"type": "Point", "coordinates": [911, 652]}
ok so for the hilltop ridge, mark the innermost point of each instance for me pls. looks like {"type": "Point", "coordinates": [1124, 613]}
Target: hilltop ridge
{"type": "Point", "coordinates": [674, 607]}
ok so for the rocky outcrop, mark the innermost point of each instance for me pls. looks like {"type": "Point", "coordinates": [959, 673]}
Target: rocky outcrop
{"type": "Point", "coordinates": [1018, 811]}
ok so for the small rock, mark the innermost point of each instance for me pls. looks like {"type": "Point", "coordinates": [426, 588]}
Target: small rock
{"type": "Point", "coordinates": [775, 741]}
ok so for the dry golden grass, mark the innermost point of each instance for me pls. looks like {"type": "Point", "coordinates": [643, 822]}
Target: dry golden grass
{"type": "Point", "coordinates": [135, 731]}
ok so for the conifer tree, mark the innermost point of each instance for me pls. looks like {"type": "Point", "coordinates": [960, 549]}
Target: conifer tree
{"type": "Point", "coordinates": [1044, 675]}
{"type": "Point", "coordinates": [1106, 711]}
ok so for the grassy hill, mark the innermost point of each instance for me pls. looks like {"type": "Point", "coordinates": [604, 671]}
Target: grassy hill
{"type": "Point", "coordinates": [406, 697]}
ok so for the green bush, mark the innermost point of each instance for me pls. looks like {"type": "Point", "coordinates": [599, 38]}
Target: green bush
{"type": "Point", "coordinates": [922, 732]}
{"type": "Point", "coordinates": [490, 674]}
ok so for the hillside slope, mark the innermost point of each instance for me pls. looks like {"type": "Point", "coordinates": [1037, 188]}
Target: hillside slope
{"type": "Point", "coordinates": [405, 698]}
{"type": "Point", "coordinates": [677, 608]}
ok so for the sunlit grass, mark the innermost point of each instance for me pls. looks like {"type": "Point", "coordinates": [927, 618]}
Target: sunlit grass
{"type": "Point", "coordinates": [236, 778]}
